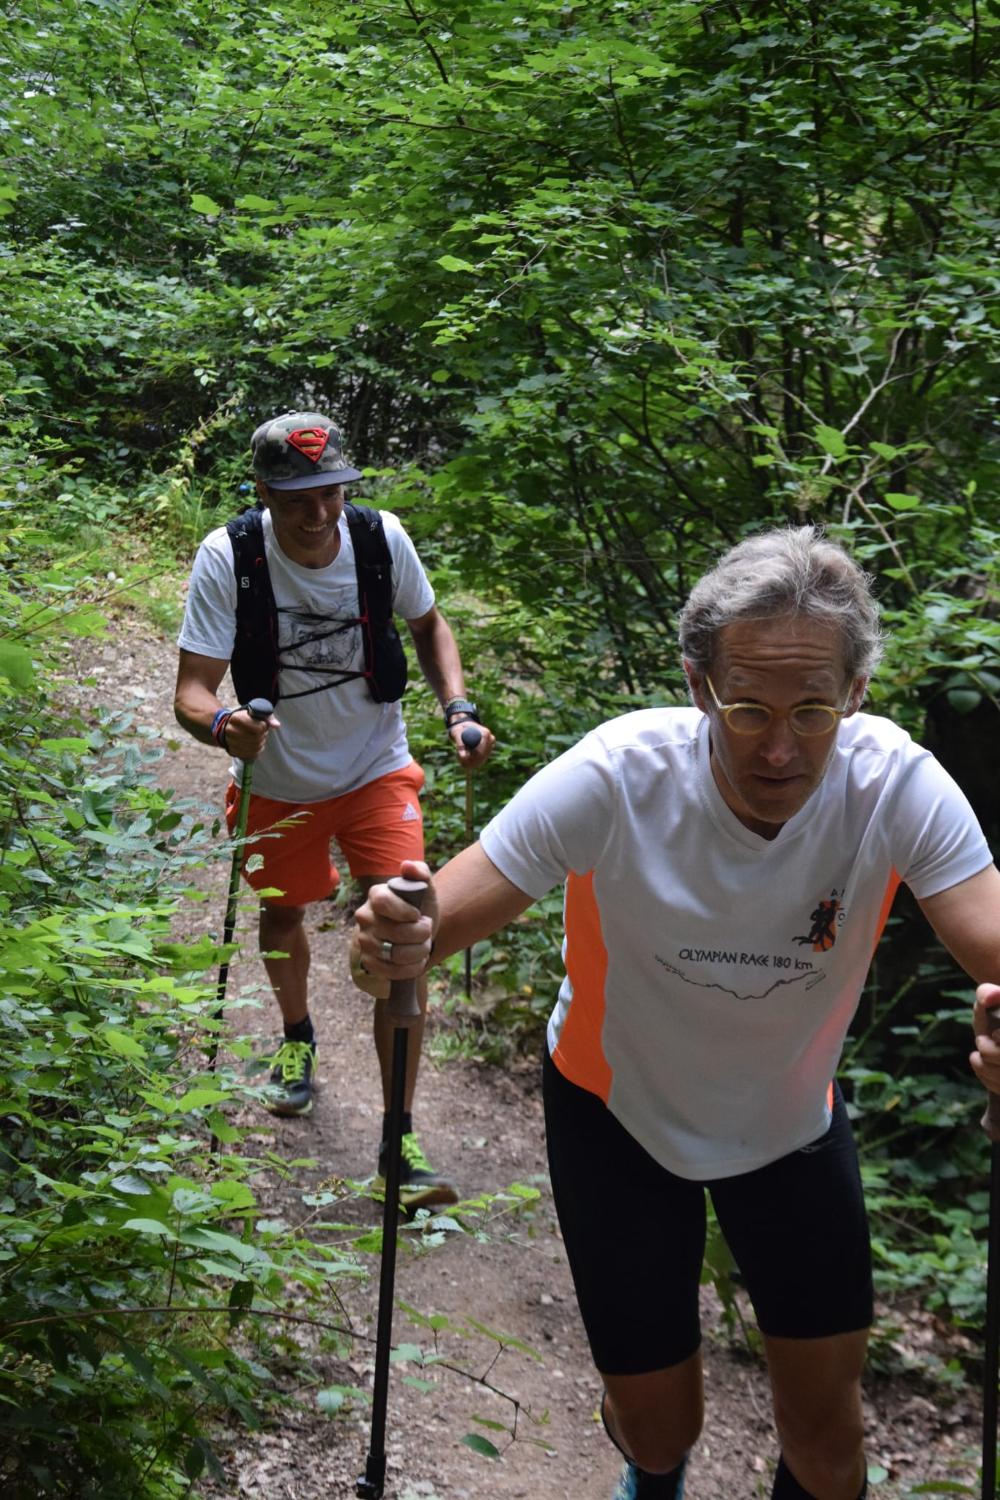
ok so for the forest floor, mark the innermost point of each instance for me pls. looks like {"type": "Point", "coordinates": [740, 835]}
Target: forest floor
{"type": "Point", "coordinates": [484, 1123]}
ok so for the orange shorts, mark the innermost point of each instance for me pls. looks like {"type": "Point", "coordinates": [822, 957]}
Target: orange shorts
{"type": "Point", "coordinates": [376, 827]}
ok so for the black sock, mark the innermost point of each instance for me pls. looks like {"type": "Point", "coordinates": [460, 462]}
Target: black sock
{"type": "Point", "coordinates": [407, 1125]}
{"type": "Point", "coordinates": [787, 1487]}
{"type": "Point", "coordinates": [659, 1486]}
{"type": "Point", "coordinates": [300, 1031]}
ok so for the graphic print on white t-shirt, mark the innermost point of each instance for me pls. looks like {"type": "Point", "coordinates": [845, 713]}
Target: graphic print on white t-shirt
{"type": "Point", "coordinates": [825, 919]}
{"type": "Point", "coordinates": [320, 636]}
{"type": "Point", "coordinates": [761, 973]}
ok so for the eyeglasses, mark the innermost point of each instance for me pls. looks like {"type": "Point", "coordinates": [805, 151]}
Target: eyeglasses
{"type": "Point", "coordinates": [807, 719]}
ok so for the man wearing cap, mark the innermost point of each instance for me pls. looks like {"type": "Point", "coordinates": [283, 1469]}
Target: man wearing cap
{"type": "Point", "coordinates": [334, 762]}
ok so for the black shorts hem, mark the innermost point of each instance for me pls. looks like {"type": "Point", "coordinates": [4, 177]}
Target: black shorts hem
{"type": "Point", "coordinates": [635, 1234]}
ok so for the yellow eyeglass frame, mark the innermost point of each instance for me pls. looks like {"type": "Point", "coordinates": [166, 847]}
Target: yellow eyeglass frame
{"type": "Point", "coordinates": [728, 709]}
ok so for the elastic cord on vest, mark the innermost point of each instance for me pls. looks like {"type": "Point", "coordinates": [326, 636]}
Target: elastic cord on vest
{"type": "Point", "coordinates": [256, 661]}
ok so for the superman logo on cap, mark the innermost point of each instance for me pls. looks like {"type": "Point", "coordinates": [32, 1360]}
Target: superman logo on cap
{"type": "Point", "coordinates": [309, 440]}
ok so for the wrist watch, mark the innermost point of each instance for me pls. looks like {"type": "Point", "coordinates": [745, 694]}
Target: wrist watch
{"type": "Point", "coordinates": [460, 709]}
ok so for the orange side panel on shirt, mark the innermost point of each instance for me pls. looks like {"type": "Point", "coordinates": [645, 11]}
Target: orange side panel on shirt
{"type": "Point", "coordinates": [579, 1055]}
{"type": "Point", "coordinates": [890, 895]}
{"type": "Point", "coordinates": [887, 900]}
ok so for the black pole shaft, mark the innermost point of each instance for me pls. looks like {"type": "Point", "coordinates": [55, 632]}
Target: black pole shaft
{"type": "Point", "coordinates": [232, 900]}
{"type": "Point", "coordinates": [992, 1353]}
{"type": "Point", "coordinates": [372, 1483]}
{"type": "Point", "coordinates": [468, 840]}
{"type": "Point", "coordinates": [260, 709]}
{"type": "Point", "coordinates": [470, 737]}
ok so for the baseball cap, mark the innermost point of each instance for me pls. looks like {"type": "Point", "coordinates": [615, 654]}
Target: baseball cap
{"type": "Point", "coordinates": [300, 450]}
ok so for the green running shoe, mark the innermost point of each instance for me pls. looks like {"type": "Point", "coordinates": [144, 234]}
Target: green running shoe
{"type": "Point", "coordinates": [419, 1185]}
{"type": "Point", "coordinates": [291, 1086]}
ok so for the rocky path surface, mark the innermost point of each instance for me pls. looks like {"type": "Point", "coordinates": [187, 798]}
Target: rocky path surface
{"type": "Point", "coordinates": [485, 1124]}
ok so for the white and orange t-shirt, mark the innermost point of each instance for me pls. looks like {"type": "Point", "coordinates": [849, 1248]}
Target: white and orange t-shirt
{"type": "Point", "coordinates": [711, 974]}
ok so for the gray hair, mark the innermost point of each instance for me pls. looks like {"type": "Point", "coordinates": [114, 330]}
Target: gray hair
{"type": "Point", "coordinates": [791, 570]}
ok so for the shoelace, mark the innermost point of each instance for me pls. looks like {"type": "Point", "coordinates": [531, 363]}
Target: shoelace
{"type": "Point", "coordinates": [413, 1155]}
{"type": "Point", "coordinates": [292, 1058]}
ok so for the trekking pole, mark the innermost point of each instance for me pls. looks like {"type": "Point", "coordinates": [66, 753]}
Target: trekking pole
{"type": "Point", "coordinates": [404, 1008]}
{"type": "Point", "coordinates": [470, 739]}
{"type": "Point", "coordinates": [260, 709]}
{"type": "Point", "coordinates": [991, 1364]}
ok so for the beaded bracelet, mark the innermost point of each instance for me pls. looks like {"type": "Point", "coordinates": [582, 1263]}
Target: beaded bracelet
{"type": "Point", "coordinates": [219, 724]}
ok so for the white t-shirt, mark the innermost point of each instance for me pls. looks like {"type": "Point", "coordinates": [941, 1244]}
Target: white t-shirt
{"type": "Point", "coordinates": [711, 973]}
{"type": "Point", "coordinates": [332, 741]}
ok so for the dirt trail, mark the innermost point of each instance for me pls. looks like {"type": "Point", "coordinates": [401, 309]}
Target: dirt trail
{"type": "Point", "coordinates": [485, 1124]}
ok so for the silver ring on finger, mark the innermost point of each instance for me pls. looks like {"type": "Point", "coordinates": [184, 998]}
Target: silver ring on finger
{"type": "Point", "coordinates": [386, 953]}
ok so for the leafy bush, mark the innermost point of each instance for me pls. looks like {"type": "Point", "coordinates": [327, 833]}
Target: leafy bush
{"type": "Point", "coordinates": [134, 1271]}
{"type": "Point", "coordinates": [924, 1162]}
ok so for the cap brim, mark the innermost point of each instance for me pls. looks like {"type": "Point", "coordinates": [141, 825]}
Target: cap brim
{"type": "Point", "coordinates": [314, 481]}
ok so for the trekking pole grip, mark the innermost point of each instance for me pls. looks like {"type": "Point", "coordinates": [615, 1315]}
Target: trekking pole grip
{"type": "Point", "coordinates": [259, 708]}
{"type": "Point", "coordinates": [404, 1006]}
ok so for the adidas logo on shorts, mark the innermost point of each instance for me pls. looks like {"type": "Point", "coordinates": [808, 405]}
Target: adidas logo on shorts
{"type": "Point", "coordinates": [410, 814]}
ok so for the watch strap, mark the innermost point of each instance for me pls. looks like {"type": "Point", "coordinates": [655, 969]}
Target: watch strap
{"type": "Point", "coordinates": [460, 709]}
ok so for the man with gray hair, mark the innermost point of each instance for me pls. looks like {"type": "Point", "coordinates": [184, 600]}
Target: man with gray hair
{"type": "Point", "coordinates": [728, 869]}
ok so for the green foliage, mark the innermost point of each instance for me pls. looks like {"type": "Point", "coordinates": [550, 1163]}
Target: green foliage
{"type": "Point", "coordinates": [143, 1297]}
{"type": "Point", "coordinates": [515, 978]}
{"type": "Point", "coordinates": [133, 1277]}
{"type": "Point", "coordinates": [628, 281]}
{"type": "Point", "coordinates": [923, 1162]}
{"type": "Point", "coordinates": [941, 1487]}
{"type": "Point", "coordinates": [594, 291]}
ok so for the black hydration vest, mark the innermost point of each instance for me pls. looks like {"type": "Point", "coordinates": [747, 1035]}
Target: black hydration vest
{"type": "Point", "coordinates": [256, 660]}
